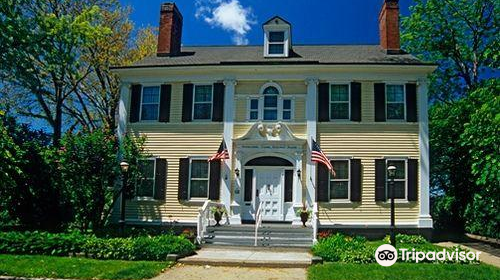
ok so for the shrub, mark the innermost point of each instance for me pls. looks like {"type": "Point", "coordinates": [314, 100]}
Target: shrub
{"type": "Point", "coordinates": [407, 239]}
{"type": "Point", "coordinates": [338, 247]}
{"type": "Point", "coordinates": [63, 244]}
{"type": "Point", "coordinates": [41, 243]}
{"type": "Point", "coordinates": [138, 248]}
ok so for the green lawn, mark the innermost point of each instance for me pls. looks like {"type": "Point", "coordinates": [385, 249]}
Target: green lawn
{"type": "Point", "coordinates": [81, 268]}
{"type": "Point", "coordinates": [402, 271]}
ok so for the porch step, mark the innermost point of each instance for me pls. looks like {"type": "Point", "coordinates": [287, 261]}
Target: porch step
{"type": "Point", "coordinates": [268, 236]}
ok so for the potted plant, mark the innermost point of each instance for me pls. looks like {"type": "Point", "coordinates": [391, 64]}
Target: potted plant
{"type": "Point", "coordinates": [304, 214]}
{"type": "Point", "coordinates": [189, 234]}
{"type": "Point", "coordinates": [218, 212]}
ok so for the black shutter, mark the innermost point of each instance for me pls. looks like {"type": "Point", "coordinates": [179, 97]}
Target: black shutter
{"type": "Point", "coordinates": [135, 103]}
{"type": "Point", "coordinates": [412, 179]}
{"type": "Point", "coordinates": [183, 178]}
{"type": "Point", "coordinates": [214, 180]}
{"type": "Point", "coordinates": [248, 184]}
{"type": "Point", "coordinates": [187, 103]}
{"type": "Point", "coordinates": [380, 180]}
{"type": "Point", "coordinates": [165, 97]}
{"type": "Point", "coordinates": [355, 101]}
{"type": "Point", "coordinates": [379, 102]}
{"type": "Point", "coordinates": [355, 180]}
{"type": "Point", "coordinates": [323, 184]}
{"type": "Point", "coordinates": [218, 106]}
{"type": "Point", "coordinates": [288, 185]}
{"type": "Point", "coordinates": [323, 102]}
{"type": "Point", "coordinates": [411, 102]}
{"type": "Point", "coordinates": [160, 179]}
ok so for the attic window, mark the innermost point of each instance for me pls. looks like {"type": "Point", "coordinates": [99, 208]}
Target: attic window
{"type": "Point", "coordinates": [277, 42]}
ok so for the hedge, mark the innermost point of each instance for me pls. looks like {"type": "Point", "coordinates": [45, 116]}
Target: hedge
{"type": "Point", "coordinates": [64, 244]}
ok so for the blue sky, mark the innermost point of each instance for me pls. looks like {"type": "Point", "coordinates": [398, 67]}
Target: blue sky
{"type": "Point", "coordinates": [229, 22]}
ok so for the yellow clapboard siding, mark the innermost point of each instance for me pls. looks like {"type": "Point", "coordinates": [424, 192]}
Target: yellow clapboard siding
{"type": "Point", "coordinates": [368, 142]}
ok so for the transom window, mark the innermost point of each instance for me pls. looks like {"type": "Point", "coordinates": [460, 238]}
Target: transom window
{"type": "Point", "coordinates": [339, 185]}
{"type": "Point", "coordinates": [198, 180]}
{"type": "Point", "coordinates": [395, 100]}
{"type": "Point", "coordinates": [150, 103]}
{"type": "Point", "coordinates": [276, 42]}
{"type": "Point", "coordinates": [146, 182]}
{"type": "Point", "coordinates": [203, 101]}
{"type": "Point", "coordinates": [399, 179]}
{"type": "Point", "coordinates": [339, 102]}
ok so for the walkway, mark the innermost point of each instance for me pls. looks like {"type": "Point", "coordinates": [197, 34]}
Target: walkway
{"type": "Point", "coordinates": [251, 257]}
{"type": "Point", "coordinates": [489, 254]}
{"type": "Point", "coordinates": [191, 272]}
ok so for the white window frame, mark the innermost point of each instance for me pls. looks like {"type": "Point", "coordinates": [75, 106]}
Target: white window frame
{"type": "Point", "coordinates": [191, 159]}
{"type": "Point", "coordinates": [142, 103]}
{"type": "Point", "coordinates": [250, 110]}
{"type": "Point", "coordinates": [405, 199]}
{"type": "Point", "coordinates": [269, 43]}
{"type": "Point", "coordinates": [387, 102]}
{"type": "Point", "coordinates": [154, 181]}
{"type": "Point", "coordinates": [330, 102]}
{"type": "Point", "coordinates": [281, 101]}
{"type": "Point", "coordinates": [285, 28]}
{"type": "Point", "coordinates": [281, 98]}
{"type": "Point", "coordinates": [330, 179]}
{"type": "Point", "coordinates": [211, 102]}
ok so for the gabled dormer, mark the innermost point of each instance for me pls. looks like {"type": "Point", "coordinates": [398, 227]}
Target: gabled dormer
{"type": "Point", "coordinates": [277, 37]}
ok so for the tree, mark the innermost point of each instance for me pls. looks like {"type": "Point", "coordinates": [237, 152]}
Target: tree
{"type": "Point", "coordinates": [462, 36]}
{"type": "Point", "coordinates": [40, 42]}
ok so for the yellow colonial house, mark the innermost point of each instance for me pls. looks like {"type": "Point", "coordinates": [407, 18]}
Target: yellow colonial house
{"type": "Point", "coordinates": [364, 105]}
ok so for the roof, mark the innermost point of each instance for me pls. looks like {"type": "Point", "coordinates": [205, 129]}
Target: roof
{"type": "Point", "coordinates": [301, 54]}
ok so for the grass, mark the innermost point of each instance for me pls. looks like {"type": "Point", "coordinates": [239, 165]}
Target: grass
{"type": "Point", "coordinates": [402, 271]}
{"type": "Point", "coordinates": [78, 268]}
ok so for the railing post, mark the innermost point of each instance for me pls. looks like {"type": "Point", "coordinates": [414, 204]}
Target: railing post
{"type": "Point", "coordinates": [314, 221]}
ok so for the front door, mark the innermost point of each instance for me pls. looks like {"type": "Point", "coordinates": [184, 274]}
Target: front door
{"type": "Point", "coordinates": [269, 184]}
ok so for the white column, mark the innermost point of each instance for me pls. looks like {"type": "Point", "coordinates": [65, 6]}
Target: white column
{"type": "Point", "coordinates": [297, 187]}
{"type": "Point", "coordinates": [425, 219]}
{"type": "Point", "coordinates": [122, 110]}
{"type": "Point", "coordinates": [225, 194]}
{"type": "Point", "coordinates": [312, 93]}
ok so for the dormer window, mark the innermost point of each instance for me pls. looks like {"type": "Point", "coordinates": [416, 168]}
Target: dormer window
{"type": "Point", "coordinates": [277, 37]}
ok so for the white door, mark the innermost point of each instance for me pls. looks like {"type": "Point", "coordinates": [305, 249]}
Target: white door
{"type": "Point", "coordinates": [269, 183]}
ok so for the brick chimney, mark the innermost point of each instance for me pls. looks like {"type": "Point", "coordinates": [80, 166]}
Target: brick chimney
{"type": "Point", "coordinates": [170, 30]}
{"type": "Point", "coordinates": [388, 22]}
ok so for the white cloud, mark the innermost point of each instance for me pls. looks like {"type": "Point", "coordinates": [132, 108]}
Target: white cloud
{"type": "Point", "coordinates": [229, 15]}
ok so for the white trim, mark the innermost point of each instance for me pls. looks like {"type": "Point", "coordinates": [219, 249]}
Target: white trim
{"type": "Point", "coordinates": [270, 84]}
{"type": "Point", "coordinates": [404, 102]}
{"type": "Point", "coordinates": [363, 225]}
{"type": "Point", "coordinates": [311, 124]}
{"type": "Point", "coordinates": [141, 103]}
{"type": "Point", "coordinates": [348, 119]}
{"type": "Point", "coordinates": [285, 28]}
{"type": "Point", "coordinates": [425, 219]}
{"type": "Point", "coordinates": [198, 158]}
{"type": "Point", "coordinates": [123, 109]}
{"type": "Point", "coordinates": [226, 195]}
{"type": "Point", "coordinates": [204, 102]}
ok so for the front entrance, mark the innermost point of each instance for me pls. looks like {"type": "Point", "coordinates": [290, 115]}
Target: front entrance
{"type": "Point", "coordinates": [269, 186]}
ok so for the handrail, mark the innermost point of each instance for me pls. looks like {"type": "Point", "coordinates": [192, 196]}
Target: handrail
{"type": "Point", "coordinates": [314, 222]}
{"type": "Point", "coordinates": [203, 220]}
{"type": "Point", "coordinates": [258, 221]}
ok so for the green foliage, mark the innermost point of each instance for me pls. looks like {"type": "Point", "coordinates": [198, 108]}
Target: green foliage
{"type": "Point", "coordinates": [138, 248]}
{"type": "Point", "coordinates": [407, 239]}
{"type": "Point", "coordinates": [78, 268]}
{"type": "Point", "coordinates": [462, 36]}
{"type": "Point", "coordinates": [64, 244]}
{"type": "Point", "coordinates": [41, 243]}
{"type": "Point", "coordinates": [9, 157]}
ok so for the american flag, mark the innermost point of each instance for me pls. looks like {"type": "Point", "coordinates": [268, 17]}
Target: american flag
{"type": "Point", "coordinates": [222, 152]}
{"type": "Point", "coordinates": [317, 155]}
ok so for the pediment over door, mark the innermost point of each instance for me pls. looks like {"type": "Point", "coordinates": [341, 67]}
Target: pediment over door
{"type": "Point", "coordinates": [270, 132]}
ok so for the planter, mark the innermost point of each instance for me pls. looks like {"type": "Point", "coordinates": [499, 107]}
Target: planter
{"type": "Point", "coordinates": [304, 216]}
{"type": "Point", "coordinates": [218, 218]}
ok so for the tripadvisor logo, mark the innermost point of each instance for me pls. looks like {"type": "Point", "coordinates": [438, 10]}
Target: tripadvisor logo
{"type": "Point", "coordinates": [387, 255]}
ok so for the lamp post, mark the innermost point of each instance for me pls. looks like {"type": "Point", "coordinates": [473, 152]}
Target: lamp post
{"type": "Point", "coordinates": [124, 167]}
{"type": "Point", "coordinates": [391, 170]}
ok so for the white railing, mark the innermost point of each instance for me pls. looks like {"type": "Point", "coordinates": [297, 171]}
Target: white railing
{"type": "Point", "coordinates": [203, 220]}
{"type": "Point", "coordinates": [258, 221]}
{"type": "Point", "coordinates": [314, 222]}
